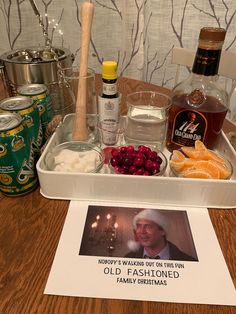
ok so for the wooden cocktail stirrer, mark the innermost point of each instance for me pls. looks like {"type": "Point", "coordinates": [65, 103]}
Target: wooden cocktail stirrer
{"type": "Point", "coordinates": [80, 132]}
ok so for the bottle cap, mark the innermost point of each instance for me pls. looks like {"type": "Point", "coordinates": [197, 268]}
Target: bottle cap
{"type": "Point", "coordinates": [109, 70]}
{"type": "Point", "coordinates": [212, 33]}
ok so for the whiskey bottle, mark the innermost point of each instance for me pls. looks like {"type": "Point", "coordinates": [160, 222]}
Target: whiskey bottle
{"type": "Point", "coordinates": [199, 104]}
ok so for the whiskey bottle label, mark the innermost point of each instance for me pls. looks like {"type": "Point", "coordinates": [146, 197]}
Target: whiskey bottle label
{"type": "Point", "coordinates": [189, 126]}
{"type": "Point", "coordinates": [206, 62]}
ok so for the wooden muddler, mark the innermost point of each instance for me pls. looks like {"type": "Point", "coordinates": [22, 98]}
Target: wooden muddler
{"type": "Point", "coordinates": [80, 131]}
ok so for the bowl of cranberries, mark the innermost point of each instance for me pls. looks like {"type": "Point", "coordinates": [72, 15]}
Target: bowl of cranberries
{"type": "Point", "coordinates": [137, 160]}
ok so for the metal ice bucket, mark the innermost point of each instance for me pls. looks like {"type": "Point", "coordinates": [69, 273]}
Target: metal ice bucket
{"type": "Point", "coordinates": [37, 65]}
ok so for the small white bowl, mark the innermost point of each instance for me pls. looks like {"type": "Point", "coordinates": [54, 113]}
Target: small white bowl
{"type": "Point", "coordinates": [75, 156]}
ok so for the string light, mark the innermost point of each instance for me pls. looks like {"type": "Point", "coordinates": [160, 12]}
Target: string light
{"type": "Point", "coordinates": [53, 24]}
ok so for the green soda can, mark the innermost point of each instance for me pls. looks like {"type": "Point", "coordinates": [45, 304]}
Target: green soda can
{"type": "Point", "coordinates": [39, 94]}
{"type": "Point", "coordinates": [28, 110]}
{"type": "Point", "coordinates": [18, 174]}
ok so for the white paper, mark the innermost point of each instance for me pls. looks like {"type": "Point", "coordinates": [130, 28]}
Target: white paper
{"type": "Point", "coordinates": [205, 281]}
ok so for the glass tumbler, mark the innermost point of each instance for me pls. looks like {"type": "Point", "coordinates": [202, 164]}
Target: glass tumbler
{"type": "Point", "coordinates": [147, 118]}
{"type": "Point", "coordinates": [69, 82]}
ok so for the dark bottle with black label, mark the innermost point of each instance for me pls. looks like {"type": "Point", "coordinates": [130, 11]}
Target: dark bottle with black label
{"type": "Point", "coordinates": [199, 104]}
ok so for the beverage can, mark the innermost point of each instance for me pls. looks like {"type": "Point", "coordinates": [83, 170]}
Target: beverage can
{"type": "Point", "coordinates": [39, 94]}
{"type": "Point", "coordinates": [17, 166]}
{"type": "Point", "coordinates": [29, 112]}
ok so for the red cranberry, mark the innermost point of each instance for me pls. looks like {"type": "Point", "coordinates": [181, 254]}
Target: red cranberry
{"type": "Point", "coordinates": [114, 161]}
{"type": "Point", "coordinates": [140, 155]}
{"type": "Point", "coordinates": [148, 164]}
{"type": "Point", "coordinates": [140, 171]}
{"type": "Point", "coordinates": [142, 149]}
{"type": "Point", "coordinates": [148, 150]}
{"type": "Point", "coordinates": [128, 161]}
{"type": "Point", "coordinates": [156, 165]}
{"type": "Point", "coordinates": [152, 155]}
{"type": "Point", "coordinates": [121, 170]}
{"type": "Point", "coordinates": [114, 152]}
{"type": "Point", "coordinates": [156, 169]}
{"type": "Point", "coordinates": [132, 169]}
{"type": "Point", "coordinates": [123, 150]}
{"type": "Point", "coordinates": [138, 161]}
{"type": "Point", "coordinates": [130, 149]}
{"type": "Point", "coordinates": [125, 168]}
{"type": "Point", "coordinates": [133, 154]}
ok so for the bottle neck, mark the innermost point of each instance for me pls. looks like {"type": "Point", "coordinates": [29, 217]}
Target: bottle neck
{"type": "Point", "coordinates": [207, 58]}
{"type": "Point", "coordinates": [109, 88]}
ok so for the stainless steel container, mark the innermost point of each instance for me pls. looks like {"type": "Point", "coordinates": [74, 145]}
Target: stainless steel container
{"type": "Point", "coordinates": [38, 65]}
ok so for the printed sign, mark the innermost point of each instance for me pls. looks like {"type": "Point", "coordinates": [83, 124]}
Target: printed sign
{"type": "Point", "coordinates": [154, 253]}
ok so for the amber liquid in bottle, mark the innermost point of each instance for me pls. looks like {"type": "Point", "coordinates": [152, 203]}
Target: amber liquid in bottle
{"type": "Point", "coordinates": [214, 113]}
{"type": "Point", "coordinates": [199, 105]}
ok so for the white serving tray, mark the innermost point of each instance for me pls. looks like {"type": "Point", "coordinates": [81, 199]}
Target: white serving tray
{"type": "Point", "coordinates": [165, 190]}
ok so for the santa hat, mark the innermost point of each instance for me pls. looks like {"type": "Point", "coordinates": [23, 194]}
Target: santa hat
{"type": "Point", "coordinates": [148, 214]}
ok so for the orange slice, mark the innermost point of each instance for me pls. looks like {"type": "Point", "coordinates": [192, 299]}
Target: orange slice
{"type": "Point", "coordinates": [200, 166]}
{"type": "Point", "coordinates": [209, 155]}
{"type": "Point", "coordinates": [182, 165]}
{"type": "Point", "coordinates": [209, 167]}
{"type": "Point", "coordinates": [189, 162]}
{"type": "Point", "coordinates": [199, 145]}
{"type": "Point", "coordinates": [196, 173]}
{"type": "Point", "coordinates": [177, 165]}
{"type": "Point", "coordinates": [223, 169]}
{"type": "Point", "coordinates": [192, 152]}
{"type": "Point", "coordinates": [177, 155]}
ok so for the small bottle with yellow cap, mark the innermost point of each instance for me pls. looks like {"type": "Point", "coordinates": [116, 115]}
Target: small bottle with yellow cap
{"type": "Point", "coordinates": [109, 79]}
{"type": "Point", "coordinates": [109, 103]}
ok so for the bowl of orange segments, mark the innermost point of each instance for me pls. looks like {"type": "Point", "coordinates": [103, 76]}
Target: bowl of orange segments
{"type": "Point", "coordinates": [199, 162]}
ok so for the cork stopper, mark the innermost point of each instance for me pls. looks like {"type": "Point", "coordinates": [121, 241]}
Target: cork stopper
{"type": "Point", "coordinates": [212, 34]}
{"type": "Point", "coordinates": [109, 70]}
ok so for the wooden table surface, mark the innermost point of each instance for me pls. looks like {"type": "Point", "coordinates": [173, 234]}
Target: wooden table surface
{"type": "Point", "coordinates": [30, 228]}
